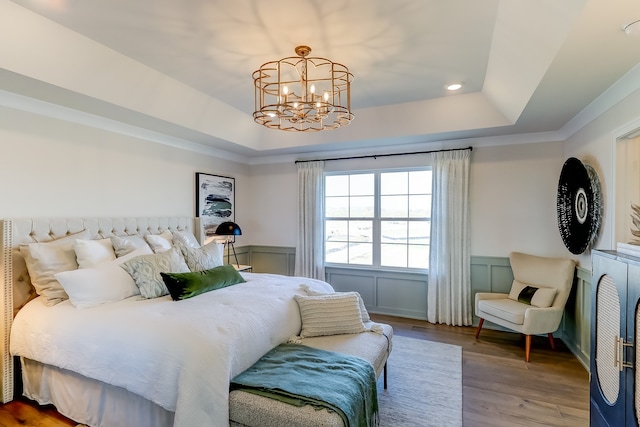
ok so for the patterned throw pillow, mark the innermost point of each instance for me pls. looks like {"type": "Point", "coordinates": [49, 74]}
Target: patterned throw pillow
{"type": "Point", "coordinates": [146, 269]}
{"type": "Point", "coordinates": [330, 314]}
{"type": "Point", "coordinates": [204, 257]}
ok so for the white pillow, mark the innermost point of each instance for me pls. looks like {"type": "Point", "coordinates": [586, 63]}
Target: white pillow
{"type": "Point", "coordinates": [123, 245]}
{"type": "Point", "coordinates": [146, 269]}
{"type": "Point", "coordinates": [90, 253]}
{"type": "Point", "coordinates": [160, 242]}
{"type": "Point", "coordinates": [44, 260]}
{"type": "Point", "coordinates": [532, 295]}
{"type": "Point", "coordinates": [330, 314]}
{"type": "Point", "coordinates": [107, 282]}
{"type": "Point", "coordinates": [204, 257]}
{"type": "Point", "coordinates": [186, 238]}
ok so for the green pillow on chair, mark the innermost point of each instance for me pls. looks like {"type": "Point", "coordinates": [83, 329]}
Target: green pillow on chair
{"type": "Point", "coordinates": [186, 285]}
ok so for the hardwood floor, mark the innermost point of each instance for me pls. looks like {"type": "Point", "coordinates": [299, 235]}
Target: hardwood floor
{"type": "Point", "coordinates": [499, 388]}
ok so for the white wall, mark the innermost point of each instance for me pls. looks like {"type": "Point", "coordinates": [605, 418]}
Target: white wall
{"type": "Point", "coordinates": [595, 144]}
{"type": "Point", "coordinates": [274, 205]}
{"type": "Point", "coordinates": [54, 168]}
{"type": "Point", "coordinates": [513, 198]}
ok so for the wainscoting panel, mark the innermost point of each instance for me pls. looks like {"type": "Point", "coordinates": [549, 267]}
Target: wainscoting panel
{"type": "Point", "coordinates": [405, 296]}
{"type": "Point", "coordinates": [490, 274]}
{"type": "Point", "coordinates": [384, 292]}
{"type": "Point", "coordinates": [576, 323]}
{"type": "Point", "coordinates": [350, 280]}
{"type": "Point", "coordinates": [270, 259]}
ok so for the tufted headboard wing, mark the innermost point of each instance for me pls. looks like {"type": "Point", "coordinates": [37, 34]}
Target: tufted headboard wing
{"type": "Point", "coordinates": [16, 285]}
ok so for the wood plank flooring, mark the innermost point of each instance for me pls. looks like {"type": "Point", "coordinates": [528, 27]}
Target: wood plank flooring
{"type": "Point", "coordinates": [499, 388]}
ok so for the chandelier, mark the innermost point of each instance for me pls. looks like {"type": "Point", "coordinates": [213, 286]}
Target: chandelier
{"type": "Point", "coordinates": [302, 94]}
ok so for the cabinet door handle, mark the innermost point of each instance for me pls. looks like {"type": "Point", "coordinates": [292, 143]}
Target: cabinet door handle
{"type": "Point", "coordinates": [618, 361]}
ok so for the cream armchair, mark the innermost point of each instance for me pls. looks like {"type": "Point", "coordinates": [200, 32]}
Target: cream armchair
{"type": "Point", "coordinates": [537, 298]}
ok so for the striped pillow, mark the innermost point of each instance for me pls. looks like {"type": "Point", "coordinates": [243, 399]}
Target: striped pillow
{"type": "Point", "coordinates": [363, 309]}
{"type": "Point", "coordinates": [330, 314]}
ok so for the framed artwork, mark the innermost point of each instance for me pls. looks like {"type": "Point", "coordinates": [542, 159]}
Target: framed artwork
{"type": "Point", "coordinates": [215, 201]}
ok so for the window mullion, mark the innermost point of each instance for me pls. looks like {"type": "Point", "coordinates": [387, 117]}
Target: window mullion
{"type": "Point", "coordinates": [377, 227]}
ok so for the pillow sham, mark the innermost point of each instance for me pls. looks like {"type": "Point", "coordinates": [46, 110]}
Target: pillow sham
{"type": "Point", "coordinates": [90, 253]}
{"type": "Point", "coordinates": [204, 257]}
{"type": "Point", "coordinates": [330, 314]}
{"type": "Point", "coordinates": [46, 259]}
{"type": "Point", "coordinates": [160, 242]}
{"type": "Point", "coordinates": [186, 285]}
{"type": "Point", "coordinates": [107, 282]}
{"type": "Point", "coordinates": [123, 245]}
{"type": "Point", "coordinates": [532, 295]}
{"type": "Point", "coordinates": [186, 238]}
{"type": "Point", "coordinates": [145, 271]}
{"type": "Point", "coordinates": [364, 314]}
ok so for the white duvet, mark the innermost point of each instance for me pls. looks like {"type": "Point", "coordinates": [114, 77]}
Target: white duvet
{"type": "Point", "coordinates": [179, 354]}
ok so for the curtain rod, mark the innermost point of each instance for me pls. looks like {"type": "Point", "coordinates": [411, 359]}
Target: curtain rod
{"type": "Point", "coordinates": [375, 156]}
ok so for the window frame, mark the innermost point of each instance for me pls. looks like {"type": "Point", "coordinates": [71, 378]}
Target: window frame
{"type": "Point", "coordinates": [376, 219]}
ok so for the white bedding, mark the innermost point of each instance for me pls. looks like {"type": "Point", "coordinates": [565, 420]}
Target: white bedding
{"type": "Point", "coordinates": [180, 355]}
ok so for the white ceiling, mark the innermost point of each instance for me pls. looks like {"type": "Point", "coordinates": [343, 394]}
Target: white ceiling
{"type": "Point", "coordinates": [180, 71]}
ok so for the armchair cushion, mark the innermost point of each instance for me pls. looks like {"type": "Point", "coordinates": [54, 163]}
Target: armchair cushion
{"type": "Point", "coordinates": [532, 295]}
{"type": "Point", "coordinates": [506, 309]}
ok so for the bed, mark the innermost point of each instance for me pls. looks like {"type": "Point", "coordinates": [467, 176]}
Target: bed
{"type": "Point", "coordinates": [135, 361]}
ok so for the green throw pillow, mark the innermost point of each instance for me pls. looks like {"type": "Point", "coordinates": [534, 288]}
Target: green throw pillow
{"type": "Point", "coordinates": [186, 285]}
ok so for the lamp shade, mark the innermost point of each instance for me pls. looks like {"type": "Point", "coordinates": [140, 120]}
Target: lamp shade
{"type": "Point", "coordinates": [228, 229]}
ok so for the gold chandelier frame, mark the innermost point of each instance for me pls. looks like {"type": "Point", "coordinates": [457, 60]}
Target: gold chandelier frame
{"type": "Point", "coordinates": [302, 94]}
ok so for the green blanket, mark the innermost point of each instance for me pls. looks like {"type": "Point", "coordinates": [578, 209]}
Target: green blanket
{"type": "Point", "coordinates": [302, 375]}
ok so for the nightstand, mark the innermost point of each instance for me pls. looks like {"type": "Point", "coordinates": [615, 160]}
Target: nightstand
{"type": "Point", "coordinates": [241, 267]}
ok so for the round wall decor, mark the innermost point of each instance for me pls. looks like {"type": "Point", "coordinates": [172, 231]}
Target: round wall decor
{"type": "Point", "coordinates": [579, 205]}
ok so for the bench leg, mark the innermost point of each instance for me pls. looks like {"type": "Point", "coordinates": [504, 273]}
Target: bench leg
{"type": "Point", "coordinates": [385, 375]}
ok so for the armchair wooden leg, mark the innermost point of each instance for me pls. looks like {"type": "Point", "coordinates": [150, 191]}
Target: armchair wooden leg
{"type": "Point", "coordinates": [527, 347]}
{"type": "Point", "coordinates": [551, 341]}
{"type": "Point", "coordinates": [479, 327]}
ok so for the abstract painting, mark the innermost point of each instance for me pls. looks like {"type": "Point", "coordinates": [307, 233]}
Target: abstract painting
{"type": "Point", "coordinates": [215, 201]}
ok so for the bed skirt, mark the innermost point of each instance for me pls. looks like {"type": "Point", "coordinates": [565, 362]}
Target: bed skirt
{"type": "Point", "coordinates": [88, 401]}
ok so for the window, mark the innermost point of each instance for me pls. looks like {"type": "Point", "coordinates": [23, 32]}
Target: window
{"type": "Point", "coordinates": [378, 219]}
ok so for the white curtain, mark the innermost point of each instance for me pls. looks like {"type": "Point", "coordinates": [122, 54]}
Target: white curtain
{"type": "Point", "coordinates": [449, 289]}
{"type": "Point", "coordinates": [310, 242]}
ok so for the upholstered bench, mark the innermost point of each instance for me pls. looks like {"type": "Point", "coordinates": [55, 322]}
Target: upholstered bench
{"type": "Point", "coordinates": [250, 410]}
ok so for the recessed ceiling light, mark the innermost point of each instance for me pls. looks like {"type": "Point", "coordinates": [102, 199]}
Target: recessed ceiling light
{"type": "Point", "coordinates": [632, 28]}
{"type": "Point", "coordinates": [454, 86]}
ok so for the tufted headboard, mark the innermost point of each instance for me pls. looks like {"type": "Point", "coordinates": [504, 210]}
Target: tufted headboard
{"type": "Point", "coordinates": [16, 285]}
